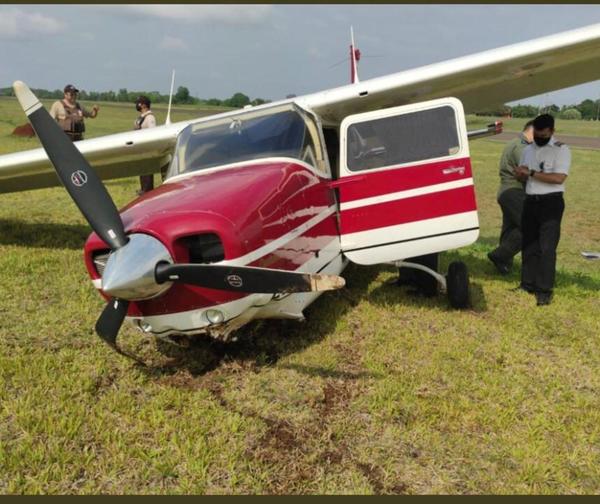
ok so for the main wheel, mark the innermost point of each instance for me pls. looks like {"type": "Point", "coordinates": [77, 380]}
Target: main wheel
{"type": "Point", "coordinates": [457, 285]}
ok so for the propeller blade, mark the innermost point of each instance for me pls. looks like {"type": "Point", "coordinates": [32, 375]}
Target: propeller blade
{"type": "Point", "coordinates": [246, 279]}
{"type": "Point", "coordinates": [78, 177]}
{"type": "Point", "coordinates": [111, 319]}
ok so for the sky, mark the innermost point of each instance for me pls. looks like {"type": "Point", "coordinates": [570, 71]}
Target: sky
{"type": "Point", "coordinates": [264, 51]}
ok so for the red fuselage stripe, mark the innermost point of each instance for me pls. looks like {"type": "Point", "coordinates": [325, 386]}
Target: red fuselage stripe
{"type": "Point", "coordinates": [402, 179]}
{"type": "Point", "coordinates": [417, 208]}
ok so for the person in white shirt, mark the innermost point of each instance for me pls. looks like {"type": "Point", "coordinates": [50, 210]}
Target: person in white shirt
{"type": "Point", "coordinates": [145, 120]}
{"type": "Point", "coordinates": [544, 166]}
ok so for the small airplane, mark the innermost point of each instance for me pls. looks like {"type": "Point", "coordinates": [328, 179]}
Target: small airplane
{"type": "Point", "coordinates": [262, 208]}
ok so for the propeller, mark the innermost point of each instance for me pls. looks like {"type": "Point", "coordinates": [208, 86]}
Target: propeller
{"type": "Point", "coordinates": [87, 191]}
{"type": "Point", "coordinates": [138, 265]}
{"type": "Point", "coordinates": [78, 177]}
{"type": "Point", "coordinates": [110, 320]}
{"type": "Point", "coordinates": [246, 279]}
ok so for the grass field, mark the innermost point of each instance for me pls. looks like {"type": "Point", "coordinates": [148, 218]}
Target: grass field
{"type": "Point", "coordinates": [564, 127]}
{"type": "Point", "coordinates": [112, 118]}
{"type": "Point", "coordinates": [377, 392]}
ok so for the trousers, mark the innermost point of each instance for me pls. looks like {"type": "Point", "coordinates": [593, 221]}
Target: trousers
{"type": "Point", "coordinates": [146, 183]}
{"type": "Point", "coordinates": [542, 215]}
{"type": "Point", "coordinates": [511, 202]}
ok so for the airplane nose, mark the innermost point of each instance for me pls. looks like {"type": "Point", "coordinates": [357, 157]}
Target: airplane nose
{"type": "Point", "coordinates": [129, 272]}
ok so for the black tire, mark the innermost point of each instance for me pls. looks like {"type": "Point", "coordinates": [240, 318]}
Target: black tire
{"type": "Point", "coordinates": [457, 285]}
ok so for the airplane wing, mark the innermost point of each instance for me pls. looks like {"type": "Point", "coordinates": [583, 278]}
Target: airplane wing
{"type": "Point", "coordinates": [113, 156]}
{"type": "Point", "coordinates": [479, 80]}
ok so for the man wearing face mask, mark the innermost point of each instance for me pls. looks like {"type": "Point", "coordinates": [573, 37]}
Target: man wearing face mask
{"type": "Point", "coordinates": [145, 120]}
{"type": "Point", "coordinates": [544, 166]}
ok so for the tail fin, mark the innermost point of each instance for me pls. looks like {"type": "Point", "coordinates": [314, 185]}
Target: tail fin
{"type": "Point", "coordinates": [168, 120]}
{"type": "Point", "coordinates": [354, 58]}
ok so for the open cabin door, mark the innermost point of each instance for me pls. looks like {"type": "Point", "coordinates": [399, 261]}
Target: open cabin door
{"type": "Point", "coordinates": [406, 186]}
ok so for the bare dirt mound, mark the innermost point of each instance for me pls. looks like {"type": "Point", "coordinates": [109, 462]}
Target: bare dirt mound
{"type": "Point", "coordinates": [25, 130]}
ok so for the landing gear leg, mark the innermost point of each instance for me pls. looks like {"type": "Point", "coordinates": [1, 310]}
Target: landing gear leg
{"type": "Point", "coordinates": [423, 280]}
{"type": "Point", "coordinates": [455, 283]}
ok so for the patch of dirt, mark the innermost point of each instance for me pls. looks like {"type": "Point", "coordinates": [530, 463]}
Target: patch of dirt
{"type": "Point", "coordinates": [182, 380]}
{"type": "Point", "coordinates": [333, 457]}
{"type": "Point", "coordinates": [280, 435]}
{"type": "Point", "coordinates": [374, 476]}
{"type": "Point", "coordinates": [25, 130]}
{"type": "Point", "coordinates": [101, 382]}
{"type": "Point", "coordinates": [336, 394]}
{"type": "Point", "coordinates": [399, 489]}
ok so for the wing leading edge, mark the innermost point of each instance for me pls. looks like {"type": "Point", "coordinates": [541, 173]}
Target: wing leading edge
{"type": "Point", "coordinates": [113, 156]}
{"type": "Point", "coordinates": [480, 80]}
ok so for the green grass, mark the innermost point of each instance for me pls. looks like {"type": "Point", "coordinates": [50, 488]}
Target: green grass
{"type": "Point", "coordinates": [563, 126]}
{"type": "Point", "coordinates": [377, 392]}
{"type": "Point", "coordinates": [112, 118]}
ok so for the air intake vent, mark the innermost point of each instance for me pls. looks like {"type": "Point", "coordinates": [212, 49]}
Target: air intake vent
{"type": "Point", "coordinates": [100, 257]}
{"type": "Point", "coordinates": [205, 248]}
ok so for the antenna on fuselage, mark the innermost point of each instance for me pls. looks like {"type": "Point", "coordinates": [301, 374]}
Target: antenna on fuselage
{"type": "Point", "coordinates": [354, 58]}
{"type": "Point", "coordinates": [168, 120]}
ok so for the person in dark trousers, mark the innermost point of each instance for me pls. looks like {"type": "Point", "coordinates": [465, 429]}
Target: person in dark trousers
{"type": "Point", "coordinates": [544, 166]}
{"type": "Point", "coordinates": [511, 196]}
{"type": "Point", "coordinates": [145, 120]}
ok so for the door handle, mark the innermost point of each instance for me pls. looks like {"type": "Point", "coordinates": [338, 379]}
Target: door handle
{"type": "Point", "coordinates": [455, 169]}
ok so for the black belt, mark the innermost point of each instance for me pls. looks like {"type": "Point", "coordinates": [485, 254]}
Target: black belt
{"type": "Point", "coordinates": [539, 197]}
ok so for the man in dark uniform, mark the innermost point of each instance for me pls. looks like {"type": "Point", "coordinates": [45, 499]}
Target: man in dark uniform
{"type": "Point", "coordinates": [544, 165]}
{"type": "Point", "coordinates": [511, 196]}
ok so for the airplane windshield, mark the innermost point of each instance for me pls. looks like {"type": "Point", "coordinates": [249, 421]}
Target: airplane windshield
{"type": "Point", "coordinates": [279, 132]}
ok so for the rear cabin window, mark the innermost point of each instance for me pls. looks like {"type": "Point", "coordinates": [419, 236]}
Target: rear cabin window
{"type": "Point", "coordinates": [407, 138]}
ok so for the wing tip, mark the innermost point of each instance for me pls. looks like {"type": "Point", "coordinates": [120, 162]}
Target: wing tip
{"type": "Point", "coordinates": [29, 102]}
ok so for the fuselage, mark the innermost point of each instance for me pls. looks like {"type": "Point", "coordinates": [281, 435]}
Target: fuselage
{"type": "Point", "coordinates": [257, 190]}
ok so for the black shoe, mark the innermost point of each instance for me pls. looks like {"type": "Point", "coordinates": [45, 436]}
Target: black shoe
{"type": "Point", "coordinates": [543, 298]}
{"type": "Point", "coordinates": [503, 268]}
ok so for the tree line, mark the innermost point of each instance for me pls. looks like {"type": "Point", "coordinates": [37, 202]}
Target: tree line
{"type": "Point", "coordinates": [181, 97]}
{"type": "Point", "coordinates": [588, 110]}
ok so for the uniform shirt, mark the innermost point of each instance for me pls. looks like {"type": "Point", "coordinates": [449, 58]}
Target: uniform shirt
{"type": "Point", "coordinates": [554, 157]}
{"type": "Point", "coordinates": [58, 112]}
{"type": "Point", "coordinates": [149, 121]}
{"type": "Point", "coordinates": [510, 159]}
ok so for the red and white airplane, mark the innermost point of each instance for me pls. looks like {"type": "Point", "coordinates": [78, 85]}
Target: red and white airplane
{"type": "Point", "coordinates": [262, 208]}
